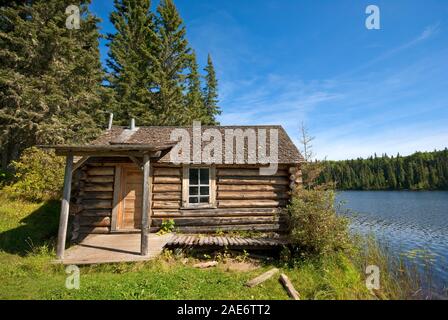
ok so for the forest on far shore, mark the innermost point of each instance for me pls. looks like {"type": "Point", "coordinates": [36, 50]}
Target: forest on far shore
{"type": "Point", "coordinates": [419, 171]}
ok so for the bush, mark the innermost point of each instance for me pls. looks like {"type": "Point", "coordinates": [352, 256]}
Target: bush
{"type": "Point", "coordinates": [5, 177]}
{"type": "Point", "coordinates": [39, 175]}
{"type": "Point", "coordinates": [314, 227]}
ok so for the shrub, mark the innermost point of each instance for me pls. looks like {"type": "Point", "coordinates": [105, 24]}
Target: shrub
{"type": "Point", "coordinates": [314, 227]}
{"type": "Point", "coordinates": [167, 226]}
{"type": "Point", "coordinates": [5, 177]}
{"type": "Point", "coordinates": [39, 175]}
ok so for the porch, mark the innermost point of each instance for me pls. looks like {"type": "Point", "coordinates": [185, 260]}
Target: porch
{"type": "Point", "coordinates": [115, 248]}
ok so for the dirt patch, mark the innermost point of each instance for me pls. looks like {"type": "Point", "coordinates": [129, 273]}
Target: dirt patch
{"type": "Point", "coordinates": [239, 266]}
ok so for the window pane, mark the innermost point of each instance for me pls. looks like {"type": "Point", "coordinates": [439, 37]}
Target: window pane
{"type": "Point", "coordinates": [193, 199]}
{"type": "Point", "coordinates": [204, 191]}
{"type": "Point", "coordinates": [204, 176]}
{"type": "Point", "coordinates": [194, 176]}
{"type": "Point", "coordinates": [194, 191]}
{"type": "Point", "coordinates": [204, 200]}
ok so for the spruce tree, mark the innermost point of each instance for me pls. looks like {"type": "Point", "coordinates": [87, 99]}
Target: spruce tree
{"type": "Point", "coordinates": [194, 103]}
{"type": "Point", "coordinates": [173, 57]}
{"type": "Point", "coordinates": [51, 77]}
{"type": "Point", "coordinates": [132, 60]}
{"type": "Point", "coordinates": [210, 92]}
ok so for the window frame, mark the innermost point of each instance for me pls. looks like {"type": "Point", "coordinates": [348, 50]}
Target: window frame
{"type": "Point", "coordinates": [186, 187]}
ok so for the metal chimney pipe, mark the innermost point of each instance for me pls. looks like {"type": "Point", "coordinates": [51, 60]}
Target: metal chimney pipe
{"type": "Point", "coordinates": [111, 119]}
{"type": "Point", "coordinates": [132, 124]}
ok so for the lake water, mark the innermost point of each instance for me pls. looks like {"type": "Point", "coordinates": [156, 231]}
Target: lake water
{"type": "Point", "coordinates": [404, 221]}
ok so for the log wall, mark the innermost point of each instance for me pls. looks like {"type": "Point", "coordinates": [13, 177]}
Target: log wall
{"type": "Point", "coordinates": [244, 199]}
{"type": "Point", "coordinates": [92, 196]}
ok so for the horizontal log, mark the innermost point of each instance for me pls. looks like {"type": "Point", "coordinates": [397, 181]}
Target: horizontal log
{"type": "Point", "coordinates": [247, 172]}
{"type": "Point", "coordinates": [254, 180]}
{"type": "Point", "coordinates": [97, 204]}
{"type": "Point", "coordinates": [261, 180]}
{"type": "Point", "coordinates": [95, 221]}
{"type": "Point", "coordinates": [224, 228]}
{"type": "Point", "coordinates": [167, 187]}
{"type": "Point", "coordinates": [176, 196]}
{"type": "Point", "coordinates": [95, 213]}
{"type": "Point", "coordinates": [87, 195]}
{"type": "Point", "coordinates": [167, 172]}
{"type": "Point", "coordinates": [166, 204]}
{"type": "Point", "coordinates": [94, 230]}
{"type": "Point", "coordinates": [218, 221]}
{"type": "Point", "coordinates": [98, 187]}
{"type": "Point", "coordinates": [248, 166]}
{"type": "Point", "coordinates": [166, 212]}
{"type": "Point", "coordinates": [219, 212]}
{"type": "Point", "coordinates": [250, 203]}
{"type": "Point", "coordinates": [275, 188]}
{"type": "Point", "coordinates": [164, 180]}
{"type": "Point", "coordinates": [108, 162]}
{"type": "Point", "coordinates": [232, 195]}
{"type": "Point", "coordinates": [99, 179]}
{"type": "Point", "coordinates": [100, 171]}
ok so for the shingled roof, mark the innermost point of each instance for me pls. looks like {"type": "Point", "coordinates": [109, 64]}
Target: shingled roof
{"type": "Point", "coordinates": [158, 136]}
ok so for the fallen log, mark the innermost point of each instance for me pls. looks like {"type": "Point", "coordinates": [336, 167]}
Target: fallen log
{"type": "Point", "coordinates": [287, 284]}
{"type": "Point", "coordinates": [262, 278]}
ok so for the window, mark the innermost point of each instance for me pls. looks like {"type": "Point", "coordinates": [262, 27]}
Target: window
{"type": "Point", "coordinates": [199, 186]}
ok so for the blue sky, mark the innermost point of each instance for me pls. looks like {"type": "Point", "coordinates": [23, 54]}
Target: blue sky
{"type": "Point", "coordinates": [358, 91]}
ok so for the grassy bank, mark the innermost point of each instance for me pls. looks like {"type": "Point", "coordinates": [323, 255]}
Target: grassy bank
{"type": "Point", "coordinates": [27, 232]}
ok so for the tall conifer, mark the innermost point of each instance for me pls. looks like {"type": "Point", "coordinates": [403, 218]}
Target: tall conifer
{"type": "Point", "coordinates": [132, 60]}
{"type": "Point", "coordinates": [51, 77]}
{"type": "Point", "coordinates": [211, 91]}
{"type": "Point", "coordinates": [173, 59]}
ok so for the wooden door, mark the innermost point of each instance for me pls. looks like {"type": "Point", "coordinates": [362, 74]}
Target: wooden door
{"type": "Point", "coordinates": [130, 208]}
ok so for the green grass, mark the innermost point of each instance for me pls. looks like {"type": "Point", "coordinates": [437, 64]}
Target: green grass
{"type": "Point", "coordinates": [27, 234]}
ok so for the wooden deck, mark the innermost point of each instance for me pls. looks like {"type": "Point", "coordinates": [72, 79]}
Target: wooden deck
{"type": "Point", "coordinates": [110, 248]}
{"type": "Point", "coordinates": [113, 248]}
{"type": "Point", "coordinates": [208, 242]}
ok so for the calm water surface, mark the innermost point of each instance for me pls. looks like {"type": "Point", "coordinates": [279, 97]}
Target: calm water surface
{"type": "Point", "coordinates": [405, 221]}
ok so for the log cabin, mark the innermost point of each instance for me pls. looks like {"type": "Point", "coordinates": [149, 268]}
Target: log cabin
{"type": "Point", "coordinates": [126, 181]}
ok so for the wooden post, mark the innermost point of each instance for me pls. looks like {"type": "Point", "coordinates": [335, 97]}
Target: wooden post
{"type": "Point", "coordinates": [65, 206]}
{"type": "Point", "coordinates": [145, 205]}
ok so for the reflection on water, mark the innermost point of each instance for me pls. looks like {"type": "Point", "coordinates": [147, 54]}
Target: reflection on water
{"type": "Point", "coordinates": [406, 221]}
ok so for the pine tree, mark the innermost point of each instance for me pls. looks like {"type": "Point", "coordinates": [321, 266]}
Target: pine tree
{"type": "Point", "coordinates": [132, 61]}
{"type": "Point", "coordinates": [51, 77]}
{"type": "Point", "coordinates": [211, 92]}
{"type": "Point", "coordinates": [173, 59]}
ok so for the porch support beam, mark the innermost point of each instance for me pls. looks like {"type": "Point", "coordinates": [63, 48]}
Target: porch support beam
{"type": "Point", "coordinates": [80, 162]}
{"type": "Point", "coordinates": [63, 219]}
{"type": "Point", "coordinates": [136, 161]}
{"type": "Point", "coordinates": [146, 220]}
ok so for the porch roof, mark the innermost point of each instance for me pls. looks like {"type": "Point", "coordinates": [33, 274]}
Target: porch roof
{"type": "Point", "coordinates": [112, 149]}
